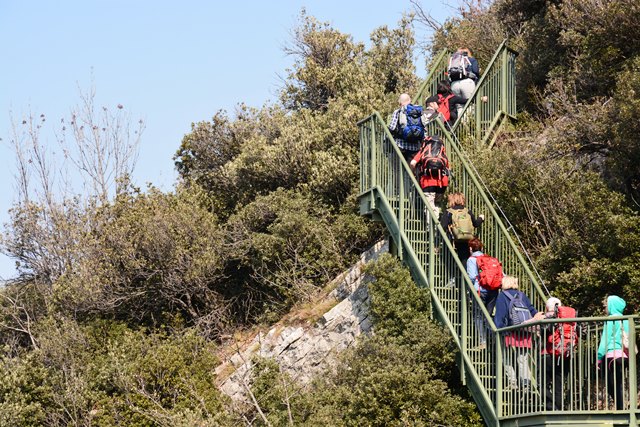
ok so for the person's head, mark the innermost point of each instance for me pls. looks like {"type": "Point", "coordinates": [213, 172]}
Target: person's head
{"type": "Point", "coordinates": [465, 50]}
{"type": "Point", "coordinates": [475, 245]}
{"type": "Point", "coordinates": [455, 199]}
{"type": "Point", "coordinates": [404, 99]}
{"type": "Point", "coordinates": [614, 305]}
{"type": "Point", "coordinates": [509, 282]}
{"type": "Point", "coordinates": [443, 88]}
{"type": "Point", "coordinates": [552, 306]}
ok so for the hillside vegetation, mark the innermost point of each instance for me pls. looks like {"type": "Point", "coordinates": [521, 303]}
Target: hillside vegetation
{"type": "Point", "coordinates": [123, 296]}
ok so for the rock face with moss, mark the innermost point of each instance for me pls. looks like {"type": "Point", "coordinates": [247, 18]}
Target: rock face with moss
{"type": "Point", "coordinates": [304, 350]}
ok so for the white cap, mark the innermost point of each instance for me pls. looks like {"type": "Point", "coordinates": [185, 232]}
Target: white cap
{"type": "Point", "coordinates": [552, 303]}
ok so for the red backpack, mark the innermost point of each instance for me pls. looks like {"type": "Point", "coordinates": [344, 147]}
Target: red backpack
{"type": "Point", "coordinates": [564, 338]}
{"type": "Point", "coordinates": [489, 272]}
{"type": "Point", "coordinates": [443, 106]}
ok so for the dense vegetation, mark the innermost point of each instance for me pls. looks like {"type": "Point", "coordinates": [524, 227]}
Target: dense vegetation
{"type": "Point", "coordinates": [124, 294]}
{"type": "Point", "coordinates": [573, 193]}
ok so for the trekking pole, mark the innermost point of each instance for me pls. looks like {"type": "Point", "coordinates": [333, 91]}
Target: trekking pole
{"type": "Point", "coordinates": [495, 202]}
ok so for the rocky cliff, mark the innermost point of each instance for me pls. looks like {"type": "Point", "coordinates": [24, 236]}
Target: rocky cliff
{"type": "Point", "coordinates": [304, 348]}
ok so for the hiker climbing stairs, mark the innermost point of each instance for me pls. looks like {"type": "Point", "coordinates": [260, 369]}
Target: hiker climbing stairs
{"type": "Point", "coordinates": [493, 103]}
{"type": "Point", "coordinates": [390, 193]}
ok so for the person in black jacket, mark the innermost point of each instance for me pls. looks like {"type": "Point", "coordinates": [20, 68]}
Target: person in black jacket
{"type": "Point", "coordinates": [446, 102]}
{"type": "Point", "coordinates": [461, 235]}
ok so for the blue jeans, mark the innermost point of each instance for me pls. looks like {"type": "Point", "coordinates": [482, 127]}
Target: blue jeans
{"type": "Point", "coordinates": [488, 298]}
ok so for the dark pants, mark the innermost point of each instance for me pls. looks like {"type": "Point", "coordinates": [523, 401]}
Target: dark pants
{"type": "Point", "coordinates": [462, 249]}
{"type": "Point", "coordinates": [408, 155]}
{"type": "Point", "coordinates": [488, 298]}
{"type": "Point", "coordinates": [614, 380]}
{"type": "Point", "coordinates": [556, 370]}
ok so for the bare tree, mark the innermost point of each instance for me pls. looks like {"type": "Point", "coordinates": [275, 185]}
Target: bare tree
{"type": "Point", "coordinates": [89, 161]}
{"type": "Point", "coordinates": [103, 145]}
{"type": "Point", "coordinates": [424, 17]}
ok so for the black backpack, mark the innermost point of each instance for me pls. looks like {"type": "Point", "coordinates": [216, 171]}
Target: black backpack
{"type": "Point", "coordinates": [433, 161]}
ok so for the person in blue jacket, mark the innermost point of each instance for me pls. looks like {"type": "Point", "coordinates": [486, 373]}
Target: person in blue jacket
{"type": "Point", "coordinates": [488, 297]}
{"type": "Point", "coordinates": [612, 350]}
{"type": "Point", "coordinates": [519, 341]}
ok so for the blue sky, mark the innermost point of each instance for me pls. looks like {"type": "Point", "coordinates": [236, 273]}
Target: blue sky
{"type": "Point", "coordinates": [171, 63]}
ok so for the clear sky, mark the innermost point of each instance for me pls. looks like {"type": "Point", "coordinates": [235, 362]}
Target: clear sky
{"type": "Point", "coordinates": [171, 63]}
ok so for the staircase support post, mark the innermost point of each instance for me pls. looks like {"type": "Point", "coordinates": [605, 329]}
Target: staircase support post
{"type": "Point", "coordinates": [633, 377]}
{"type": "Point", "coordinates": [372, 161]}
{"type": "Point", "coordinates": [499, 371]}
{"type": "Point", "coordinates": [504, 78]}
{"type": "Point", "coordinates": [400, 208]}
{"type": "Point", "coordinates": [463, 326]}
{"type": "Point", "coordinates": [432, 250]}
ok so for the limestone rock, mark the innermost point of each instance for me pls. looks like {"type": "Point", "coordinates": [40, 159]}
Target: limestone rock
{"type": "Point", "coordinates": [303, 351]}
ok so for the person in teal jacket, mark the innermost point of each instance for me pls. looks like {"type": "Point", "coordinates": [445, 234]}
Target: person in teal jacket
{"type": "Point", "coordinates": [611, 349]}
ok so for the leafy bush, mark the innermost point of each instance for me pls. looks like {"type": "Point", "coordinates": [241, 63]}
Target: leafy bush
{"type": "Point", "coordinates": [107, 374]}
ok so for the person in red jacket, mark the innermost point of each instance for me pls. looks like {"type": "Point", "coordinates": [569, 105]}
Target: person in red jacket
{"type": "Point", "coordinates": [560, 340]}
{"type": "Point", "coordinates": [446, 103]}
{"type": "Point", "coordinates": [431, 166]}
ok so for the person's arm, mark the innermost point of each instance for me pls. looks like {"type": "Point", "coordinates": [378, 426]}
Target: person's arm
{"type": "Point", "coordinates": [472, 271]}
{"type": "Point", "coordinates": [530, 306]}
{"type": "Point", "coordinates": [602, 347]}
{"type": "Point", "coordinates": [393, 124]}
{"type": "Point", "coordinates": [476, 221]}
{"type": "Point", "coordinates": [501, 311]}
{"type": "Point", "coordinates": [414, 162]}
{"type": "Point", "coordinates": [445, 220]}
{"type": "Point", "coordinates": [475, 67]}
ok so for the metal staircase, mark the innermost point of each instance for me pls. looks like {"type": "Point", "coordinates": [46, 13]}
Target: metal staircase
{"type": "Point", "coordinates": [391, 194]}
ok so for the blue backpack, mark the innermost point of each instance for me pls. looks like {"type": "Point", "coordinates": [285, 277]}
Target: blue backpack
{"type": "Point", "coordinates": [413, 130]}
{"type": "Point", "coordinates": [518, 311]}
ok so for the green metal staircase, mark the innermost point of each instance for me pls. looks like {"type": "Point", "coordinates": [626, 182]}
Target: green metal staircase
{"type": "Point", "coordinates": [390, 193]}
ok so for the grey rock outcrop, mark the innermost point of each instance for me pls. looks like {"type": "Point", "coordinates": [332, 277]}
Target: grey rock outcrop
{"type": "Point", "coordinates": [303, 351]}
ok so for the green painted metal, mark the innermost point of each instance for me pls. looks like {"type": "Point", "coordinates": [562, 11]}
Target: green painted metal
{"type": "Point", "coordinates": [390, 190]}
